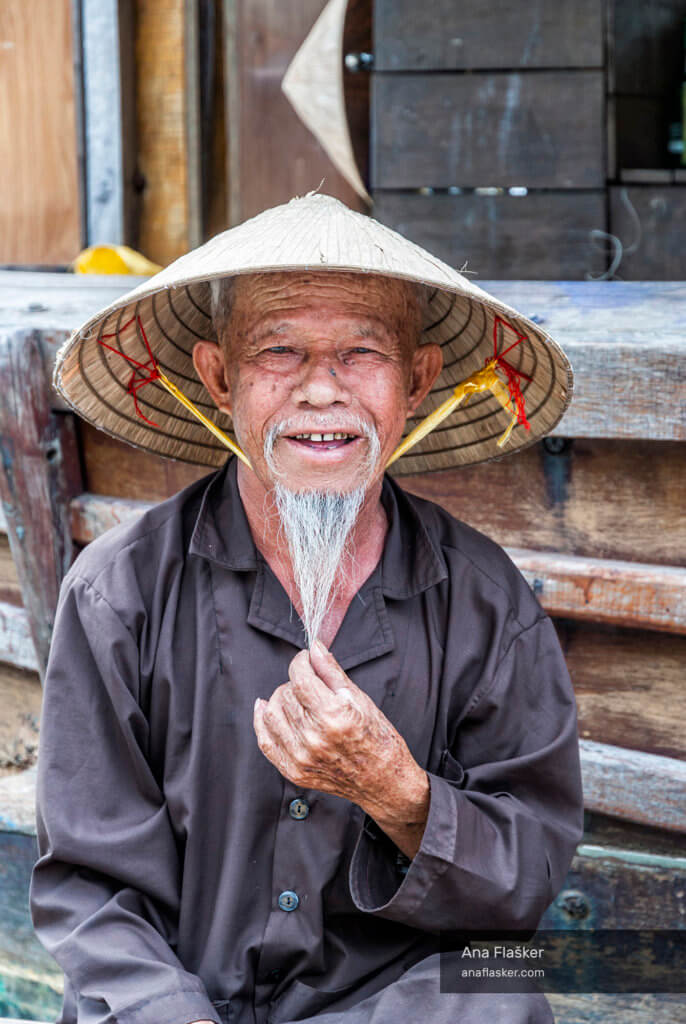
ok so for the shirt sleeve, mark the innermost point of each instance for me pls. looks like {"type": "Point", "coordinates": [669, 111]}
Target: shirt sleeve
{"type": "Point", "coordinates": [104, 892]}
{"type": "Point", "coordinates": [505, 811]}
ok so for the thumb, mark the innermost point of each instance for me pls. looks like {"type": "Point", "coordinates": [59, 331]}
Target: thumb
{"type": "Point", "coordinates": [329, 671]}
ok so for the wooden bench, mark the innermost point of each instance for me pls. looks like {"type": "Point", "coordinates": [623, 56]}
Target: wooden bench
{"type": "Point", "coordinates": [593, 517]}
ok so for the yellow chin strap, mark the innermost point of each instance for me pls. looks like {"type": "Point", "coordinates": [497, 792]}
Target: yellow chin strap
{"type": "Point", "coordinates": [483, 380]}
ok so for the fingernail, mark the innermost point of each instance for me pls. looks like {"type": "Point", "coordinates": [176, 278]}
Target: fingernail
{"type": "Point", "coordinates": [254, 707]}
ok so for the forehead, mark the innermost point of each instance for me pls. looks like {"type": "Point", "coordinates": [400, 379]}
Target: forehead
{"type": "Point", "coordinates": [258, 296]}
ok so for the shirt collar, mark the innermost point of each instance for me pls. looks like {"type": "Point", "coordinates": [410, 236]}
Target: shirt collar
{"type": "Point", "coordinates": [410, 563]}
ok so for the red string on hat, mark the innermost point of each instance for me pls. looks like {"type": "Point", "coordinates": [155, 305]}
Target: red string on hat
{"type": "Point", "coordinates": [149, 367]}
{"type": "Point", "coordinates": [512, 373]}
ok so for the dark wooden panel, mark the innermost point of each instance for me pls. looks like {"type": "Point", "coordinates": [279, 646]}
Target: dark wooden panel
{"type": "Point", "coordinates": [641, 132]}
{"type": "Point", "coordinates": [435, 34]}
{"type": "Point", "coordinates": [540, 130]}
{"type": "Point", "coordinates": [278, 157]}
{"type": "Point", "coordinates": [628, 685]}
{"type": "Point", "coordinates": [647, 53]}
{"type": "Point", "coordinates": [605, 499]}
{"type": "Point", "coordinates": [650, 221]}
{"type": "Point", "coordinates": [544, 236]}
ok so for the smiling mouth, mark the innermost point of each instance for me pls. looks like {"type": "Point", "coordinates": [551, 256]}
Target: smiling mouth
{"type": "Point", "coordinates": [323, 441]}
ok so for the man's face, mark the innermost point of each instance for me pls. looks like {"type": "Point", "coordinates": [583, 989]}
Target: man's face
{"type": "Point", "coordinates": [322, 354]}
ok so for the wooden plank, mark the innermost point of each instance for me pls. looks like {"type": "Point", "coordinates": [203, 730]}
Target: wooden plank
{"type": "Point", "coordinates": [543, 130]}
{"type": "Point", "coordinates": [651, 224]}
{"type": "Point", "coordinates": [613, 888]}
{"type": "Point", "coordinates": [40, 474]}
{"type": "Point", "coordinates": [57, 302]}
{"type": "Point", "coordinates": [635, 1008]}
{"type": "Point", "coordinates": [544, 235]}
{"type": "Point", "coordinates": [160, 127]}
{"type": "Point", "coordinates": [442, 35]}
{"type": "Point", "coordinates": [641, 127]}
{"type": "Point", "coordinates": [119, 470]}
{"type": "Point", "coordinates": [16, 643]}
{"type": "Point", "coordinates": [32, 981]}
{"type": "Point", "coordinates": [93, 514]}
{"type": "Point", "coordinates": [628, 686]}
{"type": "Point", "coordinates": [10, 590]}
{"type": "Point", "coordinates": [20, 706]}
{"type": "Point", "coordinates": [39, 198]}
{"type": "Point", "coordinates": [605, 590]}
{"type": "Point", "coordinates": [357, 38]}
{"type": "Point", "coordinates": [600, 499]}
{"type": "Point", "coordinates": [280, 159]}
{"type": "Point", "coordinates": [623, 593]}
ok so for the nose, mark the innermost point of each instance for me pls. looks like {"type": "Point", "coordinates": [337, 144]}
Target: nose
{"type": "Point", "coordinates": [320, 385]}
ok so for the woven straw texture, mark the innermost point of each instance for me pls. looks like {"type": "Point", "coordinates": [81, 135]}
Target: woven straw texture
{"type": "Point", "coordinates": [315, 232]}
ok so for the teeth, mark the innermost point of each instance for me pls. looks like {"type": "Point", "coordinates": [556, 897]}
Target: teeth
{"type": "Point", "coordinates": [323, 437]}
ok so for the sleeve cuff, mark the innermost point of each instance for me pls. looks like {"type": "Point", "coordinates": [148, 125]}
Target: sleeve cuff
{"type": "Point", "coordinates": [181, 1006]}
{"type": "Point", "coordinates": [378, 879]}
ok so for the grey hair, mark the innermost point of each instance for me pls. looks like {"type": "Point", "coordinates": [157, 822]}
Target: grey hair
{"type": "Point", "coordinates": [222, 298]}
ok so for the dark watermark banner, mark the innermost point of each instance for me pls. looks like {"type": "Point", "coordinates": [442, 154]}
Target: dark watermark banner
{"type": "Point", "coordinates": [583, 960]}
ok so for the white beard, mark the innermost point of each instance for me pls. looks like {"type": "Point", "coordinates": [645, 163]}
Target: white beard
{"type": "Point", "coordinates": [317, 526]}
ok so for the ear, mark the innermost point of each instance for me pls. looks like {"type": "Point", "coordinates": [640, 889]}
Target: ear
{"type": "Point", "coordinates": [208, 360]}
{"type": "Point", "coordinates": [427, 363]}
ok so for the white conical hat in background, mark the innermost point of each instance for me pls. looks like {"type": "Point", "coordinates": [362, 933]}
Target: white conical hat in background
{"type": "Point", "coordinates": [100, 369]}
{"type": "Point", "coordinates": [313, 85]}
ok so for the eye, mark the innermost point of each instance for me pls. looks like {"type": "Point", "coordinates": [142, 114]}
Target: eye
{"type": "Point", "coordinates": [278, 349]}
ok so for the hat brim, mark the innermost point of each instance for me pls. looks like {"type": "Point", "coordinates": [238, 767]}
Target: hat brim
{"type": "Point", "coordinates": [172, 312]}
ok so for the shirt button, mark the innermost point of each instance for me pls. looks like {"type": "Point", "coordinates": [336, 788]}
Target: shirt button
{"type": "Point", "coordinates": [288, 900]}
{"type": "Point", "coordinates": [298, 808]}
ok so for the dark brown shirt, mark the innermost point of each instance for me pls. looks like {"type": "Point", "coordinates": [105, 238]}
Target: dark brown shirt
{"type": "Point", "coordinates": [180, 875]}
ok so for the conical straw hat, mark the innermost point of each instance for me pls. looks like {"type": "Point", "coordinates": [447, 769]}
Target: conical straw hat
{"type": "Point", "coordinates": [104, 369]}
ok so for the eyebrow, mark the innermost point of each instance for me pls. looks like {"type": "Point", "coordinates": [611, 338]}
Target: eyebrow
{"type": "Point", "coordinates": [368, 330]}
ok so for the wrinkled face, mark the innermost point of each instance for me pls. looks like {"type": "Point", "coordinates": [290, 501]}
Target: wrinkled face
{"type": "Point", "coordinates": [310, 361]}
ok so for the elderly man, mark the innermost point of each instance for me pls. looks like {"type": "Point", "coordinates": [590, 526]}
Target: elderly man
{"type": "Point", "coordinates": [298, 723]}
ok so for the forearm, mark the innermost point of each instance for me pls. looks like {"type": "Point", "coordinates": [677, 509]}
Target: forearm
{"type": "Point", "coordinates": [401, 809]}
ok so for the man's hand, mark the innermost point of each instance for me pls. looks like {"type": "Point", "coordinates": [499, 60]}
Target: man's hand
{"type": "Point", "coordinates": [322, 732]}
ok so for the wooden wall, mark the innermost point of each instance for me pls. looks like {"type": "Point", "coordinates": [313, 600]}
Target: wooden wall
{"type": "Point", "coordinates": [39, 196]}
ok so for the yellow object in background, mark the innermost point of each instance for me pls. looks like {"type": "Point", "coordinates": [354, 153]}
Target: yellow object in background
{"type": "Point", "coordinates": [113, 259]}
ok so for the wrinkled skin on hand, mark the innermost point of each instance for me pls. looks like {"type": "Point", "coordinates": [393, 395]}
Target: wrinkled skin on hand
{"type": "Point", "coordinates": [322, 732]}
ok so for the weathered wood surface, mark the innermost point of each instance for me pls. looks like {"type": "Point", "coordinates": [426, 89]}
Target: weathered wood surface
{"type": "Point", "coordinates": [604, 590]}
{"type": "Point", "coordinates": [542, 130]}
{"type": "Point", "coordinates": [16, 643]}
{"type": "Point", "coordinates": [629, 685]}
{"type": "Point", "coordinates": [440, 34]}
{"type": "Point", "coordinates": [31, 980]}
{"type": "Point", "coordinates": [543, 235]}
{"type": "Point", "coordinates": [650, 222]}
{"type": "Point", "coordinates": [10, 590]}
{"type": "Point", "coordinates": [600, 499]}
{"type": "Point", "coordinates": [634, 786]}
{"type": "Point", "coordinates": [40, 474]}
{"type": "Point", "coordinates": [638, 1008]}
{"type": "Point", "coordinates": [20, 707]}
{"type": "Point", "coordinates": [39, 197]}
{"type": "Point", "coordinates": [626, 341]}
{"type": "Point", "coordinates": [618, 888]}
{"type": "Point", "coordinates": [623, 593]}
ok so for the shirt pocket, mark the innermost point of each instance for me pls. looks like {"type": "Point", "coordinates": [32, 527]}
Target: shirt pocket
{"type": "Point", "coordinates": [450, 769]}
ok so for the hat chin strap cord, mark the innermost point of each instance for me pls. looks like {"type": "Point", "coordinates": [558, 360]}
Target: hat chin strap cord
{"type": "Point", "coordinates": [483, 380]}
{"type": "Point", "coordinates": [486, 379]}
